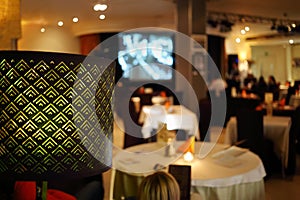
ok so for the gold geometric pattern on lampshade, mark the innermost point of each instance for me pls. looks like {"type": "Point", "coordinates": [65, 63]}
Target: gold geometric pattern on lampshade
{"type": "Point", "coordinates": [52, 105]}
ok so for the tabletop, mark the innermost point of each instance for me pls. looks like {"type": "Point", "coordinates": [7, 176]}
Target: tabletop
{"type": "Point", "coordinates": [222, 166]}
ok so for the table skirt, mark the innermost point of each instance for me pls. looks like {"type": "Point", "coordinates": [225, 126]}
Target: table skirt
{"type": "Point", "coordinates": [126, 185]}
{"type": "Point", "coordinates": [245, 191]}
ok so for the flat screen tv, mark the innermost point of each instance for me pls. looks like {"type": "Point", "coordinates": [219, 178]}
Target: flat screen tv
{"type": "Point", "coordinates": [147, 57]}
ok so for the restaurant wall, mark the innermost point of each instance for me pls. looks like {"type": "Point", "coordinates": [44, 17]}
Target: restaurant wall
{"type": "Point", "coordinates": [295, 53]}
{"type": "Point", "coordinates": [54, 39]}
{"type": "Point", "coordinates": [242, 49]}
{"type": "Point", "coordinates": [270, 60]}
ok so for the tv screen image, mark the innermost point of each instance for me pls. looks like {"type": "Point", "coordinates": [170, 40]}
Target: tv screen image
{"type": "Point", "coordinates": [146, 56]}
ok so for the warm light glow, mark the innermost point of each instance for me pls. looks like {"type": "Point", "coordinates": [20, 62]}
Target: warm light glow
{"type": "Point", "coordinates": [188, 157]}
{"type": "Point", "coordinates": [247, 28]}
{"type": "Point", "coordinates": [291, 41]}
{"type": "Point", "coordinates": [43, 30]}
{"type": "Point", "coordinates": [100, 7]}
{"type": "Point", "coordinates": [75, 19]}
{"type": "Point", "coordinates": [243, 55]}
{"type": "Point", "coordinates": [294, 25]}
{"type": "Point", "coordinates": [60, 23]}
{"type": "Point", "coordinates": [243, 32]}
{"type": "Point", "coordinates": [102, 17]}
{"type": "Point", "coordinates": [238, 40]}
{"type": "Point", "coordinates": [243, 65]}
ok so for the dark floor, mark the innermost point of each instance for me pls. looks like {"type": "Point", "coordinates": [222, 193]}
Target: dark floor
{"type": "Point", "coordinates": [278, 188]}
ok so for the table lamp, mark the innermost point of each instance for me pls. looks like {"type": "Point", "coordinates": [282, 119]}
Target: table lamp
{"type": "Point", "coordinates": [56, 115]}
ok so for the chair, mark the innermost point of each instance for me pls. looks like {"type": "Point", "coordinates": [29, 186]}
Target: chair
{"type": "Point", "coordinates": [182, 174]}
{"type": "Point", "coordinates": [132, 129]}
{"type": "Point", "coordinates": [251, 132]}
{"type": "Point", "coordinates": [206, 126]}
{"type": "Point", "coordinates": [250, 129]}
{"type": "Point", "coordinates": [294, 142]}
{"type": "Point", "coordinates": [295, 127]}
{"type": "Point", "coordinates": [205, 115]}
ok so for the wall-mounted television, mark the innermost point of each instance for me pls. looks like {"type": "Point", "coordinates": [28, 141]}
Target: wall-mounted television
{"type": "Point", "coordinates": [145, 56]}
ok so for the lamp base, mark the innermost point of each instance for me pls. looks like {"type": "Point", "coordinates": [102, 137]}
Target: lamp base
{"type": "Point", "coordinates": [41, 190]}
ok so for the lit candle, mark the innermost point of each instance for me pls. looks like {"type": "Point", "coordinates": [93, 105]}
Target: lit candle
{"type": "Point", "coordinates": [188, 157]}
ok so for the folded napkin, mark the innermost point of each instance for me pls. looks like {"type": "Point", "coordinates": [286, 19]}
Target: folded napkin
{"type": "Point", "coordinates": [233, 151]}
{"type": "Point", "coordinates": [229, 156]}
{"type": "Point", "coordinates": [228, 161]}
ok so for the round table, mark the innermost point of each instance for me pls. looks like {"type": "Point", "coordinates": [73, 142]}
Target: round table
{"type": "Point", "coordinates": [218, 172]}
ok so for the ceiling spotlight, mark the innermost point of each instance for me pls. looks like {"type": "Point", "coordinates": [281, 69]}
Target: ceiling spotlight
{"type": "Point", "coordinates": [102, 17]}
{"type": "Point", "coordinates": [43, 30]}
{"type": "Point", "coordinates": [243, 32]}
{"type": "Point", "coordinates": [60, 23]}
{"type": "Point", "coordinates": [282, 29]}
{"type": "Point", "coordinates": [238, 40]}
{"type": "Point", "coordinates": [247, 28]}
{"type": "Point", "coordinates": [75, 19]}
{"type": "Point", "coordinates": [100, 7]}
{"type": "Point", "coordinates": [226, 26]}
{"type": "Point", "coordinates": [291, 41]}
{"type": "Point", "coordinates": [212, 23]}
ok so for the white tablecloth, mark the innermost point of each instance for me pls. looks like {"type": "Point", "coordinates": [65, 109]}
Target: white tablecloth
{"type": "Point", "coordinates": [211, 176]}
{"type": "Point", "coordinates": [176, 117]}
{"type": "Point", "coordinates": [276, 128]}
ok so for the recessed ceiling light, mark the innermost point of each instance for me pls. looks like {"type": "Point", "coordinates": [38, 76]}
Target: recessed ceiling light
{"type": "Point", "coordinates": [102, 17]}
{"type": "Point", "coordinates": [291, 41]}
{"type": "Point", "coordinates": [75, 19]}
{"type": "Point", "coordinates": [43, 30]}
{"type": "Point", "coordinates": [60, 23]}
{"type": "Point", "coordinates": [238, 40]}
{"type": "Point", "coordinates": [247, 28]}
{"type": "Point", "coordinates": [243, 32]}
{"type": "Point", "coordinates": [100, 7]}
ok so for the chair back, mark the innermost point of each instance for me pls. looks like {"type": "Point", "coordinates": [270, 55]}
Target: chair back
{"type": "Point", "coordinates": [205, 115]}
{"type": "Point", "coordinates": [295, 128]}
{"type": "Point", "coordinates": [182, 174]}
{"type": "Point", "coordinates": [294, 142]}
{"type": "Point", "coordinates": [250, 129]}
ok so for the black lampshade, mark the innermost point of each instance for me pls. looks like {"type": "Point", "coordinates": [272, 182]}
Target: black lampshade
{"type": "Point", "coordinates": [56, 117]}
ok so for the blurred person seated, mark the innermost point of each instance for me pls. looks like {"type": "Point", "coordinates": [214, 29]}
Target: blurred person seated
{"type": "Point", "coordinates": [292, 90]}
{"type": "Point", "coordinates": [250, 81]}
{"type": "Point", "coordinates": [159, 186]}
{"type": "Point", "coordinates": [234, 78]}
{"type": "Point", "coordinates": [234, 72]}
{"type": "Point", "coordinates": [273, 87]}
{"type": "Point", "coordinates": [260, 88]}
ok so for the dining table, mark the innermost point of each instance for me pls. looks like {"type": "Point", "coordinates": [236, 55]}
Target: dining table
{"type": "Point", "coordinates": [276, 128]}
{"type": "Point", "coordinates": [176, 117]}
{"type": "Point", "coordinates": [294, 100]}
{"type": "Point", "coordinates": [285, 110]}
{"type": "Point", "coordinates": [218, 171]}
